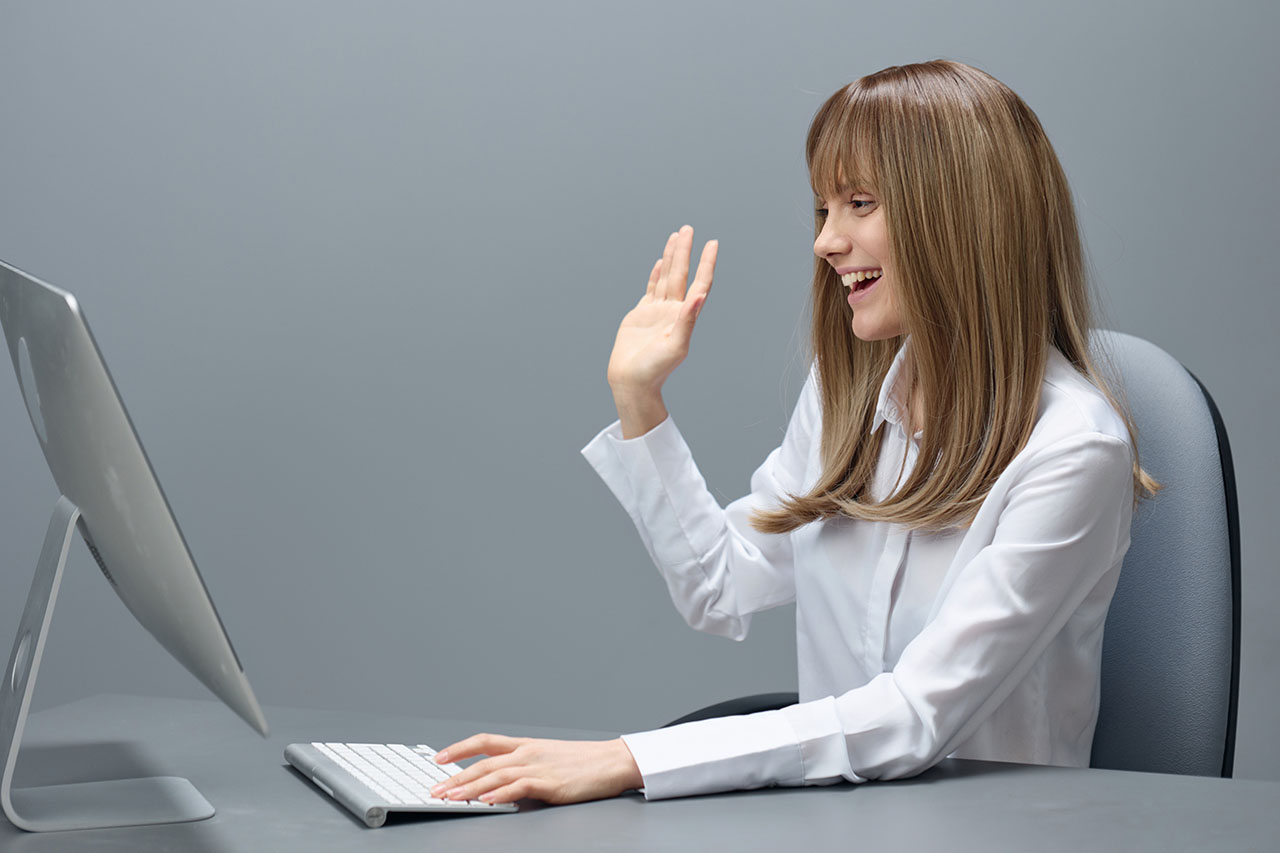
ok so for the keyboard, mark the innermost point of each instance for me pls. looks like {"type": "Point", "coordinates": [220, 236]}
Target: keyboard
{"type": "Point", "coordinates": [373, 779]}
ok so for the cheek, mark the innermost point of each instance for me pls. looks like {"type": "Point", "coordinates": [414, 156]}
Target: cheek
{"type": "Point", "coordinates": [885, 256]}
{"type": "Point", "coordinates": [884, 248]}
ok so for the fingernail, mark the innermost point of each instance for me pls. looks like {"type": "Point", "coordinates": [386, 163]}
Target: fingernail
{"type": "Point", "coordinates": [488, 798]}
{"type": "Point", "coordinates": [442, 757]}
{"type": "Point", "coordinates": [435, 792]}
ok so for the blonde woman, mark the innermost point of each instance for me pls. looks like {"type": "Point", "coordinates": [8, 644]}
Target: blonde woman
{"type": "Point", "coordinates": [950, 504]}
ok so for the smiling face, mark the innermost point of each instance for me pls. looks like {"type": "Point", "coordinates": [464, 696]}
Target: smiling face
{"type": "Point", "coordinates": [854, 240]}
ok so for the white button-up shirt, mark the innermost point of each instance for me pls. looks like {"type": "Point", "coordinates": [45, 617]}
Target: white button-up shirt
{"type": "Point", "coordinates": [978, 642]}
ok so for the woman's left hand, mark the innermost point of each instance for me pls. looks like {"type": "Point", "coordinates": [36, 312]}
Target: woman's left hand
{"type": "Point", "coordinates": [557, 771]}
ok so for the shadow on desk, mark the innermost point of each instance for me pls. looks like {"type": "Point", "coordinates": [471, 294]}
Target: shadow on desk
{"type": "Point", "coordinates": [966, 769]}
{"type": "Point", "coordinates": [81, 762]}
{"type": "Point", "coordinates": [91, 762]}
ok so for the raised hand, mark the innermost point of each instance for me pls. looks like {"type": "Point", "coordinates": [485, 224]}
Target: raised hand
{"type": "Point", "coordinates": [653, 338]}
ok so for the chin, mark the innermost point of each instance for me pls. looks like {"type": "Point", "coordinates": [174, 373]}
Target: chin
{"type": "Point", "coordinates": [875, 331]}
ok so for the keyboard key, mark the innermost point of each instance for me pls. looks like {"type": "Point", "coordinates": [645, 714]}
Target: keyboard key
{"type": "Point", "coordinates": [398, 774]}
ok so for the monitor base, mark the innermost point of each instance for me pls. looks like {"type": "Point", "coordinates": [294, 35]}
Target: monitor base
{"type": "Point", "coordinates": [83, 805]}
{"type": "Point", "coordinates": [98, 805]}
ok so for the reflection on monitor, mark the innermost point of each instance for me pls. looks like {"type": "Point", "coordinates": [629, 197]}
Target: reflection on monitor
{"type": "Point", "coordinates": [110, 494]}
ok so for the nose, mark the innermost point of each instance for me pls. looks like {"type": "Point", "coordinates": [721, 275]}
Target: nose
{"type": "Point", "coordinates": [830, 242]}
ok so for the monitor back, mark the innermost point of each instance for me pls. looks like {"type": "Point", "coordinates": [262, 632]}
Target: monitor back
{"type": "Point", "coordinates": [98, 463]}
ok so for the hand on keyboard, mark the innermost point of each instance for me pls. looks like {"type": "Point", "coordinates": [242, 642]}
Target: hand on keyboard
{"type": "Point", "coordinates": [556, 771]}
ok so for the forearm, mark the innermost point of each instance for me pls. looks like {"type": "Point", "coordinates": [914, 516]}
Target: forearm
{"type": "Point", "coordinates": [718, 569]}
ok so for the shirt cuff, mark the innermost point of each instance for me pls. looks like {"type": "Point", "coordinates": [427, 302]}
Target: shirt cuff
{"type": "Point", "coordinates": [824, 748]}
{"type": "Point", "coordinates": [722, 754]}
{"type": "Point", "coordinates": [654, 477]}
{"type": "Point", "coordinates": [609, 448]}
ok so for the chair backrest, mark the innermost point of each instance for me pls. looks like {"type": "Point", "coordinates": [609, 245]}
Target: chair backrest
{"type": "Point", "coordinates": [1171, 648]}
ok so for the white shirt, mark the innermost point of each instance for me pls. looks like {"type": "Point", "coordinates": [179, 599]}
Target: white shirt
{"type": "Point", "coordinates": [978, 642]}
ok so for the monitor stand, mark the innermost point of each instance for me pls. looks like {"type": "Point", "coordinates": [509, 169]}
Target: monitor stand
{"type": "Point", "coordinates": [85, 805]}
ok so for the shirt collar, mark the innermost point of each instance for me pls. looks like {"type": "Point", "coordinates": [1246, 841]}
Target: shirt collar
{"type": "Point", "coordinates": [891, 405]}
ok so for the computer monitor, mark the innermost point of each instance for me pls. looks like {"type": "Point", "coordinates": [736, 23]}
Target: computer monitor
{"type": "Point", "coordinates": [110, 493]}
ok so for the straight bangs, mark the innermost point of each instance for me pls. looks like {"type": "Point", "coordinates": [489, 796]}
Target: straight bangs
{"type": "Point", "coordinates": [842, 145]}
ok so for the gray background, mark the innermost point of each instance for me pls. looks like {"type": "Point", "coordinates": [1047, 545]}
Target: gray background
{"type": "Point", "coordinates": [357, 268]}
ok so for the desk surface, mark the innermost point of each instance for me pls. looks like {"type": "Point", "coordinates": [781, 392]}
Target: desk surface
{"type": "Point", "coordinates": [264, 806]}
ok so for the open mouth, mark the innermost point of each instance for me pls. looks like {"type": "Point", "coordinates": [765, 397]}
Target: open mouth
{"type": "Point", "coordinates": [860, 280]}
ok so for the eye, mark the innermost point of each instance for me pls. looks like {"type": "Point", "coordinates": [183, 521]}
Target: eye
{"type": "Point", "coordinates": [861, 204]}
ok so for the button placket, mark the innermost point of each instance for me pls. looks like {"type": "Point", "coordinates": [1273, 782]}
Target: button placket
{"type": "Point", "coordinates": [876, 628]}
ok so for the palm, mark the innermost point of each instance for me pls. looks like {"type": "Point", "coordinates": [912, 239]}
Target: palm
{"type": "Point", "coordinates": [649, 343]}
{"type": "Point", "coordinates": [653, 337]}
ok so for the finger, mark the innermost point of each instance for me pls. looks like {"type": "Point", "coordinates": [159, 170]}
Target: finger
{"type": "Point", "coordinates": [668, 252]}
{"type": "Point", "coordinates": [706, 271]}
{"type": "Point", "coordinates": [678, 276]}
{"type": "Point", "coordinates": [517, 790]}
{"type": "Point", "coordinates": [654, 275]}
{"type": "Point", "coordinates": [468, 776]}
{"type": "Point", "coordinates": [481, 744]}
{"type": "Point", "coordinates": [488, 782]}
{"type": "Point", "coordinates": [697, 295]}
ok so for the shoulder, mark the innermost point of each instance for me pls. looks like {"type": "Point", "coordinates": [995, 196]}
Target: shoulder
{"type": "Point", "coordinates": [1080, 441]}
{"type": "Point", "coordinates": [1073, 408]}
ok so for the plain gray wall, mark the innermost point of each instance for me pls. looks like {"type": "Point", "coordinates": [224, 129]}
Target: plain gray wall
{"type": "Point", "coordinates": [357, 268]}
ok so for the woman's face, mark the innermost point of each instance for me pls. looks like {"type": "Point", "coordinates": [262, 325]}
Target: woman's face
{"type": "Point", "coordinates": [855, 241]}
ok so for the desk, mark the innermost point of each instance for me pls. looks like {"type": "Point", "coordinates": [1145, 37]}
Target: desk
{"type": "Point", "coordinates": [264, 806]}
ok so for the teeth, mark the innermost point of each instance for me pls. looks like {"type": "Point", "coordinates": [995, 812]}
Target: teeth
{"type": "Point", "coordinates": [850, 279]}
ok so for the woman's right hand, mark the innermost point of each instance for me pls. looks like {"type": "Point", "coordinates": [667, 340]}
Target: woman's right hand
{"type": "Point", "coordinates": [654, 336]}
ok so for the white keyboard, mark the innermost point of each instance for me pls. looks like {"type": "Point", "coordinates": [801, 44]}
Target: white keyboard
{"type": "Point", "coordinates": [373, 778]}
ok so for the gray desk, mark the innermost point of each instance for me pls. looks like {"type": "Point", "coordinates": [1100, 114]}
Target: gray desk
{"type": "Point", "coordinates": [264, 806]}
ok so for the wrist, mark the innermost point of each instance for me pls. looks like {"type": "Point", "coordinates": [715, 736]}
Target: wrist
{"type": "Point", "coordinates": [628, 771]}
{"type": "Point", "coordinates": [639, 411]}
{"type": "Point", "coordinates": [634, 389]}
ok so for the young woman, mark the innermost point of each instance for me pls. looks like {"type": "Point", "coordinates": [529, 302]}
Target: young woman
{"type": "Point", "coordinates": [951, 502]}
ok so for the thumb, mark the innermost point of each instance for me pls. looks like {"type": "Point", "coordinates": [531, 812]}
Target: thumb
{"type": "Point", "coordinates": [682, 329]}
{"type": "Point", "coordinates": [690, 310]}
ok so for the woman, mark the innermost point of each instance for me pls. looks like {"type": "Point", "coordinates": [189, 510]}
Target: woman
{"type": "Point", "coordinates": [951, 502]}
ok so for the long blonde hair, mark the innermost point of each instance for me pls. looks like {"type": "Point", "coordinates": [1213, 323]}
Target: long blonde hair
{"type": "Point", "coordinates": [989, 273]}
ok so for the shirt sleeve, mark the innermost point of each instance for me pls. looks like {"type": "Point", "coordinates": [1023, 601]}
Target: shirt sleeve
{"type": "Point", "coordinates": [1063, 527]}
{"type": "Point", "coordinates": [718, 568]}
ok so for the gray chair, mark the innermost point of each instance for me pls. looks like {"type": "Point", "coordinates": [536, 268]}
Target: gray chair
{"type": "Point", "coordinates": [1171, 649]}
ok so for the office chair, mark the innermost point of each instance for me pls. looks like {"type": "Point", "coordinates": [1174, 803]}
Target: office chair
{"type": "Point", "coordinates": [1171, 646]}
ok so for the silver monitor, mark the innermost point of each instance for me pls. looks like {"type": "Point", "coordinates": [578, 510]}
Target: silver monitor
{"type": "Point", "coordinates": [110, 493]}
